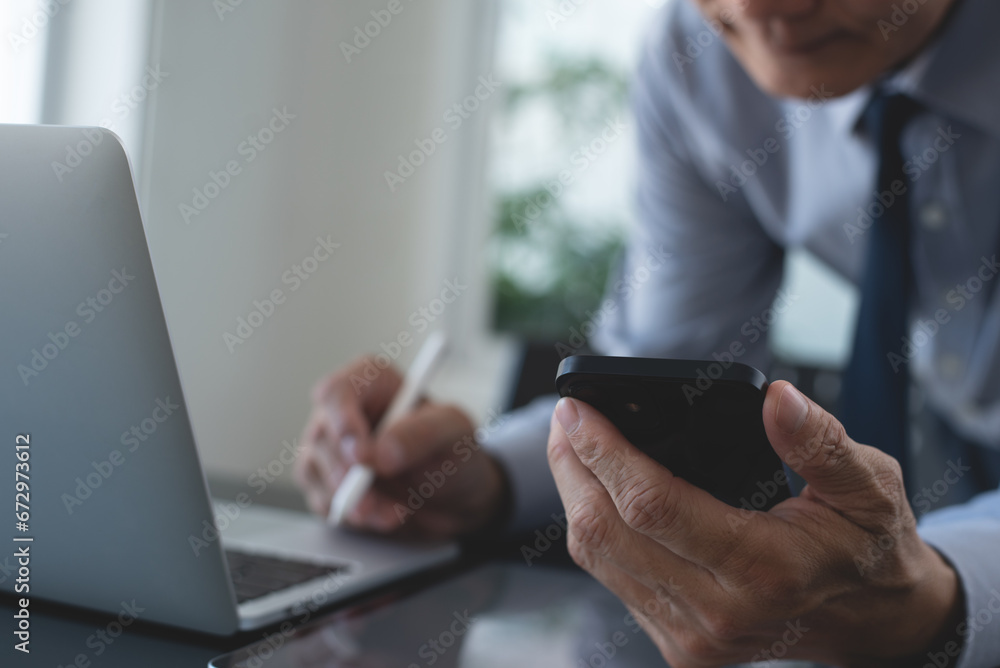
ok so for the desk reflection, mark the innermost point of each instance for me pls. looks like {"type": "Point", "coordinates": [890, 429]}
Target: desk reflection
{"type": "Point", "coordinates": [498, 615]}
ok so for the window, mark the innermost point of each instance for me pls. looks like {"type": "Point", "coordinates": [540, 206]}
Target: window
{"type": "Point", "coordinates": [562, 158]}
{"type": "Point", "coordinates": [24, 27]}
{"type": "Point", "coordinates": [568, 65]}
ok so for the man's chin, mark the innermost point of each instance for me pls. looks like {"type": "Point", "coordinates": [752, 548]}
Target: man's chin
{"type": "Point", "coordinates": [803, 83]}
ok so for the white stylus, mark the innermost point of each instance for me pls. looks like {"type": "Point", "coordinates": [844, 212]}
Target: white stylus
{"type": "Point", "coordinates": [360, 477]}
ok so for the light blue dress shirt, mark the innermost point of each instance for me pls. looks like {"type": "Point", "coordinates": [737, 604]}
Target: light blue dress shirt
{"type": "Point", "coordinates": [729, 177]}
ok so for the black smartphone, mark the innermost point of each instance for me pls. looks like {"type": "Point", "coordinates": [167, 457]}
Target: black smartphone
{"type": "Point", "coordinates": [700, 419]}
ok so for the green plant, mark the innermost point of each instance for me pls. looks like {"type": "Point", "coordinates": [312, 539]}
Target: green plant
{"type": "Point", "coordinates": [550, 266]}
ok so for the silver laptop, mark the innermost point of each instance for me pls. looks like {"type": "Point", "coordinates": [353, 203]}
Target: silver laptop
{"type": "Point", "coordinates": [113, 512]}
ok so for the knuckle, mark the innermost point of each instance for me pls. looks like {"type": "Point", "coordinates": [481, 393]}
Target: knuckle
{"type": "Point", "coordinates": [614, 463]}
{"type": "Point", "coordinates": [365, 363]}
{"type": "Point", "coordinates": [828, 449]}
{"type": "Point", "coordinates": [359, 363]}
{"type": "Point", "coordinates": [589, 529]}
{"type": "Point", "coordinates": [588, 445]}
{"type": "Point", "coordinates": [580, 555]}
{"type": "Point", "coordinates": [339, 382]}
{"type": "Point", "coordinates": [723, 627]}
{"type": "Point", "coordinates": [335, 381]}
{"type": "Point", "coordinates": [887, 501]}
{"type": "Point", "coordinates": [647, 506]}
{"type": "Point", "coordinates": [888, 480]}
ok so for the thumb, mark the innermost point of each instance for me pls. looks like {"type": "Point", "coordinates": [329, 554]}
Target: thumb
{"type": "Point", "coordinates": [859, 481]}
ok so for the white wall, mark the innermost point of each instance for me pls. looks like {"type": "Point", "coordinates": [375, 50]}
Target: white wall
{"type": "Point", "coordinates": [321, 175]}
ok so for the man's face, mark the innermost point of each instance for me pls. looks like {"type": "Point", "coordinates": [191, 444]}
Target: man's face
{"type": "Point", "coordinates": [788, 46]}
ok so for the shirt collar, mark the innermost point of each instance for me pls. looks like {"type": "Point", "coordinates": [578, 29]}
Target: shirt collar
{"type": "Point", "coordinates": [845, 111]}
{"type": "Point", "coordinates": [956, 75]}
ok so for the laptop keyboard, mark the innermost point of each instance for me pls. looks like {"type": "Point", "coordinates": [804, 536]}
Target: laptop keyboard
{"type": "Point", "coordinates": [256, 575]}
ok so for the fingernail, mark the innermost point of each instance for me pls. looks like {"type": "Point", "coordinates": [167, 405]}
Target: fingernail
{"type": "Point", "coordinates": [568, 415]}
{"type": "Point", "coordinates": [349, 448]}
{"type": "Point", "coordinates": [792, 410]}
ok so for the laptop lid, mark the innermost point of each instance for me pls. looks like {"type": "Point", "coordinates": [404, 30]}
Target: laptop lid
{"type": "Point", "coordinates": [114, 492]}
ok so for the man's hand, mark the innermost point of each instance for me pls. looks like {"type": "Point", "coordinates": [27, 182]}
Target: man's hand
{"type": "Point", "coordinates": [837, 575]}
{"type": "Point", "coordinates": [433, 479]}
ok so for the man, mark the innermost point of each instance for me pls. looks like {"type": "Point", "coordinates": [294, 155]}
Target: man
{"type": "Point", "coordinates": [755, 136]}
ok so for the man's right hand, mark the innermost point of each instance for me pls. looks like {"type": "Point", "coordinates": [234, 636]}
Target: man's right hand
{"type": "Point", "coordinates": [432, 478]}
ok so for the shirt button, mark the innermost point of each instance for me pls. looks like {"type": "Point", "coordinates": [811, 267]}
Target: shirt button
{"type": "Point", "coordinates": [950, 366]}
{"type": "Point", "coordinates": [933, 216]}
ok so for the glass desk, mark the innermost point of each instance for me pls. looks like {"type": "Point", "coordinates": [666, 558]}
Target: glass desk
{"type": "Point", "coordinates": [495, 614]}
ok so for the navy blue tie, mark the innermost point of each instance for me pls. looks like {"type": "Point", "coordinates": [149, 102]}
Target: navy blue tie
{"type": "Point", "coordinates": [874, 406]}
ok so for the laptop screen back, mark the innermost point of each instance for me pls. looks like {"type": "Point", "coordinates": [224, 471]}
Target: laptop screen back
{"type": "Point", "coordinates": [118, 508]}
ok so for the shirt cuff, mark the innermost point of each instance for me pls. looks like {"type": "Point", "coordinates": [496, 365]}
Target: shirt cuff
{"type": "Point", "coordinates": [519, 445]}
{"type": "Point", "coordinates": [971, 547]}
